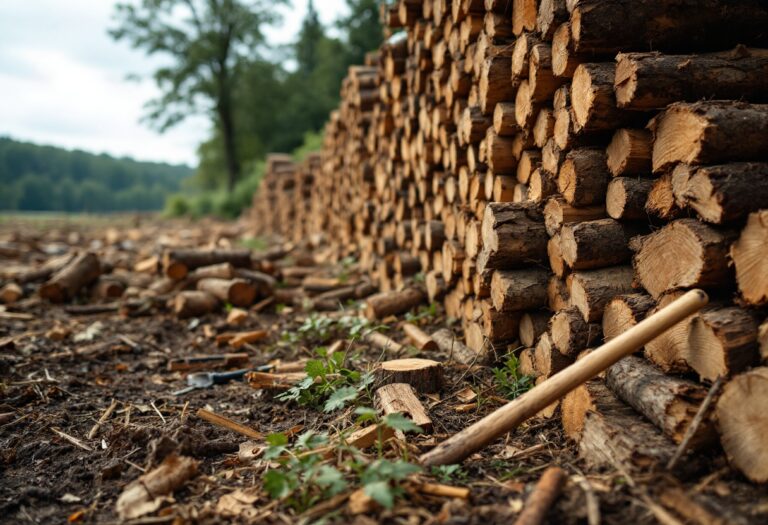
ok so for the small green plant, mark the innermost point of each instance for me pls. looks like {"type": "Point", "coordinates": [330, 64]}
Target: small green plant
{"type": "Point", "coordinates": [328, 382]}
{"type": "Point", "coordinates": [427, 313]}
{"type": "Point", "coordinates": [509, 381]}
{"type": "Point", "coordinates": [450, 473]}
{"type": "Point", "coordinates": [303, 476]}
{"type": "Point", "coordinates": [254, 243]}
{"type": "Point", "coordinates": [321, 329]}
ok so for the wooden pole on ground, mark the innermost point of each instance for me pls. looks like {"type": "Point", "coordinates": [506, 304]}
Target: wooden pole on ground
{"type": "Point", "coordinates": [508, 417]}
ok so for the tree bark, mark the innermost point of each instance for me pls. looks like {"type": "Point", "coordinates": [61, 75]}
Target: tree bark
{"type": "Point", "coordinates": [709, 132]}
{"type": "Point", "coordinates": [646, 81]}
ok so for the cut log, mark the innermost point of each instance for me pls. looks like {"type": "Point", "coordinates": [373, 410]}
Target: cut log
{"type": "Point", "coordinates": [498, 326]}
{"type": "Point", "coordinates": [762, 339]}
{"type": "Point", "coordinates": [629, 152]}
{"type": "Point", "coordinates": [709, 133]}
{"type": "Point", "coordinates": [626, 198]}
{"type": "Point", "coordinates": [547, 359]}
{"type": "Point", "coordinates": [647, 81]}
{"type": "Point", "coordinates": [591, 396]}
{"type": "Point", "coordinates": [750, 257]}
{"type": "Point", "coordinates": [513, 235]}
{"type": "Point", "coordinates": [558, 296]}
{"type": "Point", "coordinates": [591, 290]}
{"type": "Point", "coordinates": [194, 304]}
{"type": "Point", "coordinates": [583, 178]}
{"type": "Point", "coordinates": [108, 287]}
{"type": "Point", "coordinates": [609, 27]}
{"type": "Point", "coordinates": [668, 402]}
{"type": "Point", "coordinates": [683, 254]}
{"type": "Point", "coordinates": [571, 333]}
{"type": "Point", "coordinates": [518, 290]}
{"type": "Point", "coordinates": [178, 263]}
{"type": "Point", "coordinates": [452, 346]}
{"type": "Point", "coordinates": [595, 244]}
{"type": "Point", "coordinates": [385, 304]}
{"type": "Point", "coordinates": [384, 343]}
{"type": "Point", "coordinates": [724, 193]}
{"type": "Point", "coordinates": [614, 436]}
{"type": "Point", "coordinates": [147, 493]}
{"type": "Point", "coordinates": [504, 123]}
{"type": "Point", "coordinates": [400, 398]}
{"type": "Point", "coordinates": [593, 100]}
{"type": "Point", "coordinates": [555, 253]}
{"type": "Point", "coordinates": [424, 375]}
{"type": "Point", "coordinates": [51, 266]}
{"type": "Point", "coordinates": [237, 292]}
{"type": "Point", "coordinates": [10, 293]}
{"type": "Point", "coordinates": [723, 342]}
{"type": "Point", "coordinates": [623, 312]}
{"type": "Point", "coordinates": [550, 15]}
{"type": "Point", "coordinates": [661, 200]}
{"type": "Point", "coordinates": [419, 338]}
{"type": "Point", "coordinates": [743, 423]}
{"type": "Point", "coordinates": [532, 325]}
{"type": "Point", "coordinates": [669, 351]}
{"type": "Point", "coordinates": [215, 271]}
{"type": "Point", "coordinates": [557, 212]}
{"type": "Point", "coordinates": [67, 282]}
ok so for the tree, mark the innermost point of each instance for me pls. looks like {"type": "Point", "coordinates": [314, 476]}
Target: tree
{"type": "Point", "coordinates": [209, 43]}
{"type": "Point", "coordinates": [363, 29]}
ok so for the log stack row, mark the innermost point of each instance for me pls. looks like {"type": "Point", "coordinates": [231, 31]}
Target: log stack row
{"type": "Point", "coordinates": [555, 182]}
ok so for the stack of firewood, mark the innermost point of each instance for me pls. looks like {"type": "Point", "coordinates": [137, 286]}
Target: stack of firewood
{"type": "Point", "coordinates": [554, 182]}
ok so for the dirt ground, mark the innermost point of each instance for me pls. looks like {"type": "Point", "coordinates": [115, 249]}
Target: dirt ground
{"type": "Point", "coordinates": [56, 384]}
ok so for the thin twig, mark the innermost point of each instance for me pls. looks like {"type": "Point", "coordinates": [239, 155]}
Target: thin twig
{"type": "Point", "coordinates": [108, 412]}
{"type": "Point", "coordinates": [152, 403]}
{"type": "Point", "coordinates": [698, 419]}
{"type": "Point", "coordinates": [71, 439]}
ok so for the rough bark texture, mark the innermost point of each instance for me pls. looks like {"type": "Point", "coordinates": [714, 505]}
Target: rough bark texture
{"type": "Point", "coordinates": [709, 133]}
{"type": "Point", "coordinates": [647, 81]}
{"type": "Point", "coordinates": [612, 26]}
{"type": "Point", "coordinates": [750, 257]}
{"type": "Point", "coordinates": [583, 177]}
{"type": "Point", "coordinates": [513, 235]}
{"type": "Point", "coordinates": [614, 435]}
{"type": "Point", "coordinates": [178, 263]}
{"type": "Point", "coordinates": [385, 304]}
{"type": "Point", "coordinates": [623, 312]}
{"type": "Point", "coordinates": [723, 193]}
{"type": "Point", "coordinates": [591, 290]}
{"type": "Point", "coordinates": [557, 212]}
{"type": "Point", "coordinates": [595, 244]}
{"type": "Point", "coordinates": [517, 290]}
{"type": "Point", "coordinates": [453, 347]}
{"type": "Point", "coordinates": [626, 198]}
{"type": "Point", "coordinates": [683, 254]}
{"type": "Point", "coordinates": [68, 281]}
{"type": "Point", "coordinates": [571, 333]}
{"type": "Point", "coordinates": [668, 402]}
{"type": "Point", "coordinates": [723, 342]}
{"type": "Point", "coordinates": [743, 423]}
{"type": "Point", "coordinates": [401, 398]}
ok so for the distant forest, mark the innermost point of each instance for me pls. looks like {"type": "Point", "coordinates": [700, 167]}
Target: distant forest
{"type": "Point", "coordinates": [46, 178]}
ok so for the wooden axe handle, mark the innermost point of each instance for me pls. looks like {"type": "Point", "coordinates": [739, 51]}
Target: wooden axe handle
{"type": "Point", "coordinates": [507, 418]}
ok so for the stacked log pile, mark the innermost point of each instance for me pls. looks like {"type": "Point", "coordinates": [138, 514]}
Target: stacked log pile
{"type": "Point", "coordinates": [554, 182]}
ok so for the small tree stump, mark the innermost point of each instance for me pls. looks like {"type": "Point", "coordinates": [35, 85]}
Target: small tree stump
{"type": "Point", "coordinates": [424, 375]}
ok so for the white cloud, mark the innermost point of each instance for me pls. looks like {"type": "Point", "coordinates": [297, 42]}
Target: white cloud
{"type": "Point", "coordinates": [63, 79]}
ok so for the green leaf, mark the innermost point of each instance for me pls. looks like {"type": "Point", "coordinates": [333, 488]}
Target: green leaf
{"type": "Point", "coordinates": [397, 470]}
{"type": "Point", "coordinates": [310, 440]}
{"type": "Point", "coordinates": [277, 484]}
{"type": "Point", "coordinates": [277, 439]}
{"type": "Point", "coordinates": [315, 368]}
{"type": "Point", "coordinates": [381, 492]}
{"type": "Point", "coordinates": [331, 479]}
{"type": "Point", "coordinates": [365, 414]}
{"type": "Point", "coordinates": [340, 398]}
{"type": "Point", "coordinates": [366, 380]}
{"type": "Point", "coordinates": [398, 421]}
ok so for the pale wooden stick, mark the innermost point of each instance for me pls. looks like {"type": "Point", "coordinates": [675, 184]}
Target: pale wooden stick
{"type": "Point", "coordinates": [447, 491]}
{"type": "Point", "coordinates": [71, 439]}
{"type": "Point", "coordinates": [544, 494]}
{"type": "Point", "coordinates": [227, 423]}
{"type": "Point", "coordinates": [108, 412]}
{"type": "Point", "coordinates": [508, 417]}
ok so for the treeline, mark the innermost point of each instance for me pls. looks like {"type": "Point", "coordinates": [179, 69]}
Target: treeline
{"type": "Point", "coordinates": [46, 178]}
{"type": "Point", "coordinates": [283, 95]}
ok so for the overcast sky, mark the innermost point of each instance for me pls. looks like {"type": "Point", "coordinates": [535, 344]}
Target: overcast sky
{"type": "Point", "coordinates": [63, 79]}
